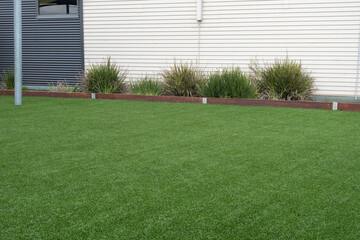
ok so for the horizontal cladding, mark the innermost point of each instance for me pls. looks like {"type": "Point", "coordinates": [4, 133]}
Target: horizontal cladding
{"type": "Point", "coordinates": [6, 35]}
{"type": "Point", "coordinates": [143, 35]}
{"type": "Point", "coordinates": [148, 35]}
{"type": "Point", "coordinates": [324, 35]}
{"type": "Point", "coordinates": [52, 47]}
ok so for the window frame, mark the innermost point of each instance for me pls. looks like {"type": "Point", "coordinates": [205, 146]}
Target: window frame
{"type": "Point", "coordinates": [70, 15]}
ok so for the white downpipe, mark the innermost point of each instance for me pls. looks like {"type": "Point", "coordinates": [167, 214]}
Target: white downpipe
{"type": "Point", "coordinates": [199, 44]}
{"type": "Point", "coordinates": [358, 71]}
{"type": "Point", "coordinates": [199, 13]}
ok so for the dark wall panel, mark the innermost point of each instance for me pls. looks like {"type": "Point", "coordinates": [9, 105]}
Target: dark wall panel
{"type": "Point", "coordinates": [6, 35]}
{"type": "Point", "coordinates": [52, 47]}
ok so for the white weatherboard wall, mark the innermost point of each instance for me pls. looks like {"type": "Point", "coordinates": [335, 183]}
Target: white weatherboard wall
{"type": "Point", "coordinates": [143, 35]}
{"type": "Point", "coordinates": [147, 35]}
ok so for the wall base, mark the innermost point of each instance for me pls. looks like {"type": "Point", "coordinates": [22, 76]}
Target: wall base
{"type": "Point", "coordinates": [335, 99]}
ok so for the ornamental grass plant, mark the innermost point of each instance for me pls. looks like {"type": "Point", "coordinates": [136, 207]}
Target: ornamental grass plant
{"type": "Point", "coordinates": [63, 86]}
{"type": "Point", "coordinates": [283, 79]}
{"type": "Point", "coordinates": [147, 86]}
{"type": "Point", "coordinates": [8, 79]}
{"type": "Point", "coordinates": [104, 78]}
{"type": "Point", "coordinates": [182, 80]}
{"type": "Point", "coordinates": [228, 83]}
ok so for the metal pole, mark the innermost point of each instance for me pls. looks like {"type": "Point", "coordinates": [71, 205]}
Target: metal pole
{"type": "Point", "coordinates": [18, 51]}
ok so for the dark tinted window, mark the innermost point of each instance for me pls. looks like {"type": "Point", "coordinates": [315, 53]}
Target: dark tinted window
{"type": "Point", "coordinates": [57, 7]}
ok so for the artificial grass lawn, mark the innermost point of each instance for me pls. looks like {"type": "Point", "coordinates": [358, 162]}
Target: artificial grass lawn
{"type": "Point", "coordinates": [102, 169]}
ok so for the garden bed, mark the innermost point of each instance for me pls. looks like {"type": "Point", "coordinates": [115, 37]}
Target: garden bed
{"type": "Point", "coordinates": [223, 101]}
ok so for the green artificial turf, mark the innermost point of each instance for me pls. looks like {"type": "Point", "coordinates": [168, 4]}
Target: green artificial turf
{"type": "Point", "coordinates": [102, 169]}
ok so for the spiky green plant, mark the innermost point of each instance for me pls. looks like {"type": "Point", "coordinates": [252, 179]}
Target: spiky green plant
{"type": "Point", "coordinates": [182, 80]}
{"type": "Point", "coordinates": [104, 78]}
{"type": "Point", "coordinates": [228, 83]}
{"type": "Point", "coordinates": [147, 86]}
{"type": "Point", "coordinates": [8, 79]}
{"type": "Point", "coordinates": [284, 79]}
{"type": "Point", "coordinates": [62, 86]}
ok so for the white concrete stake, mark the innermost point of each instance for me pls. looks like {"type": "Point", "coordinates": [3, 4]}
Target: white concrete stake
{"type": "Point", "coordinates": [335, 106]}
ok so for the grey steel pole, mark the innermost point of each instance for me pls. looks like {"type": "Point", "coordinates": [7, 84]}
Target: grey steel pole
{"type": "Point", "coordinates": [18, 51]}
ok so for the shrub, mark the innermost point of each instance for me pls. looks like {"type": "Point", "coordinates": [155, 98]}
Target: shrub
{"type": "Point", "coordinates": [229, 83]}
{"type": "Point", "coordinates": [104, 78]}
{"type": "Point", "coordinates": [147, 86]}
{"type": "Point", "coordinates": [182, 80]}
{"type": "Point", "coordinates": [63, 86]}
{"type": "Point", "coordinates": [8, 79]}
{"type": "Point", "coordinates": [283, 79]}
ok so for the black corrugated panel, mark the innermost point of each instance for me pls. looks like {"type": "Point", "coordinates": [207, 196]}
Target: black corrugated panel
{"type": "Point", "coordinates": [52, 47]}
{"type": "Point", "coordinates": [6, 34]}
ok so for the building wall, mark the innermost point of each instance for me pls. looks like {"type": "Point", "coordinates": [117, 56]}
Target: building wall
{"type": "Point", "coordinates": [148, 35]}
{"type": "Point", "coordinates": [6, 35]}
{"type": "Point", "coordinates": [143, 35]}
{"type": "Point", "coordinates": [52, 47]}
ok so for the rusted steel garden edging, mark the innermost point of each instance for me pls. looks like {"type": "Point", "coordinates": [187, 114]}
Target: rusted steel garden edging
{"type": "Point", "coordinates": [149, 98]}
{"type": "Point", "coordinates": [6, 92]}
{"type": "Point", "coordinates": [222, 101]}
{"type": "Point", "coordinates": [355, 107]}
{"type": "Point", "coordinates": [272, 103]}
{"type": "Point", "coordinates": [48, 94]}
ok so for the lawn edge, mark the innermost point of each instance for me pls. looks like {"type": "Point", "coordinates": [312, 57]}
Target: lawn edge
{"type": "Point", "coordinates": [222, 101]}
